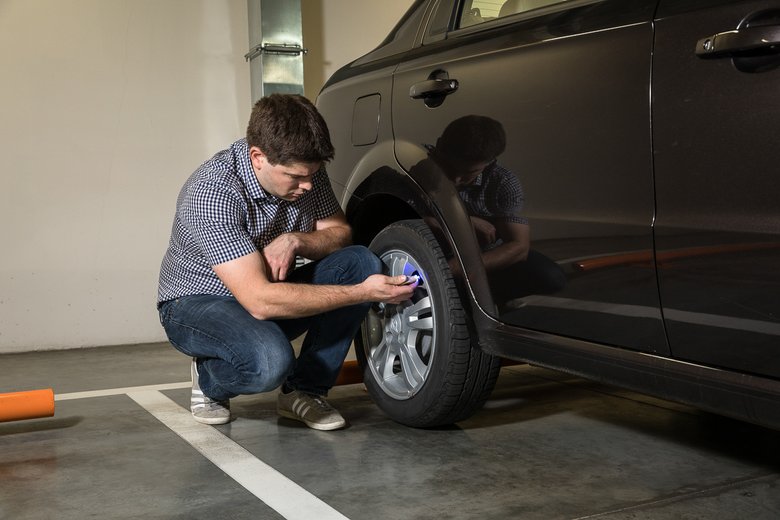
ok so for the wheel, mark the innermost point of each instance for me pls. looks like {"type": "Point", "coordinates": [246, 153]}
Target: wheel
{"type": "Point", "coordinates": [417, 360]}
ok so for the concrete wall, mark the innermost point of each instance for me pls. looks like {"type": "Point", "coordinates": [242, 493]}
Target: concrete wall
{"type": "Point", "coordinates": [107, 106]}
{"type": "Point", "coordinates": [339, 31]}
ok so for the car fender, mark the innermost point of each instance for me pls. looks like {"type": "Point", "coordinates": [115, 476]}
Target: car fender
{"type": "Point", "coordinates": [380, 192]}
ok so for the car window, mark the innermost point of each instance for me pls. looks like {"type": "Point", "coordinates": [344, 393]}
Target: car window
{"type": "Point", "coordinates": [439, 23]}
{"type": "Point", "coordinates": [480, 11]}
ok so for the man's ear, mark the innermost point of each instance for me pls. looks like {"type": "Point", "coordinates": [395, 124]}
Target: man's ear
{"type": "Point", "coordinates": [257, 157]}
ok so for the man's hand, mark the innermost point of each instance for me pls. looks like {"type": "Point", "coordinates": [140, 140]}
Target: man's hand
{"type": "Point", "coordinates": [388, 289]}
{"type": "Point", "coordinates": [279, 256]}
{"type": "Point", "coordinates": [330, 234]}
{"type": "Point", "coordinates": [485, 231]}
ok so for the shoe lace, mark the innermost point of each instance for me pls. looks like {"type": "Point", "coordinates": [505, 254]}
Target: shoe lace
{"type": "Point", "coordinates": [321, 403]}
{"type": "Point", "coordinates": [213, 403]}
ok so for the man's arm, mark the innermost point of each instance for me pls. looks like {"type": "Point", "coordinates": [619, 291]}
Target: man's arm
{"type": "Point", "coordinates": [330, 234]}
{"type": "Point", "coordinates": [246, 279]}
{"type": "Point", "coordinates": [516, 241]}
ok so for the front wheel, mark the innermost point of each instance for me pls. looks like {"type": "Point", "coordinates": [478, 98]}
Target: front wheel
{"type": "Point", "coordinates": [417, 360]}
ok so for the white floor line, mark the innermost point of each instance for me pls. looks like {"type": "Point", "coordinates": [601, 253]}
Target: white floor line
{"type": "Point", "coordinates": [120, 391]}
{"type": "Point", "coordinates": [274, 489]}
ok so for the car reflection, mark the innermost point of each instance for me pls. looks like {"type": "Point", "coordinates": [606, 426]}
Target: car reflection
{"type": "Point", "coordinates": [467, 152]}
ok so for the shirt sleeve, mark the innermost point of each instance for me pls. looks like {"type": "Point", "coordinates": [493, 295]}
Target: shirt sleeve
{"type": "Point", "coordinates": [508, 198]}
{"type": "Point", "coordinates": [216, 219]}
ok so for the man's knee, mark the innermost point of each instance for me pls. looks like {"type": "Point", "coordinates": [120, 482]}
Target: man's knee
{"type": "Point", "coordinates": [269, 371]}
{"type": "Point", "coordinates": [267, 380]}
{"type": "Point", "coordinates": [262, 357]}
{"type": "Point", "coordinates": [364, 262]}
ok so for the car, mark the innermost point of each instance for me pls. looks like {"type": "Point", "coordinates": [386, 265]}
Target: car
{"type": "Point", "coordinates": [589, 186]}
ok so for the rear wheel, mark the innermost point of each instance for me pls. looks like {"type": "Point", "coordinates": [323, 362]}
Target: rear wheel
{"type": "Point", "coordinates": [417, 360]}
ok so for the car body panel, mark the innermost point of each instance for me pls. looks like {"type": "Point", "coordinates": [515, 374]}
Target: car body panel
{"type": "Point", "coordinates": [345, 164]}
{"type": "Point", "coordinates": [716, 123]}
{"type": "Point", "coordinates": [543, 79]}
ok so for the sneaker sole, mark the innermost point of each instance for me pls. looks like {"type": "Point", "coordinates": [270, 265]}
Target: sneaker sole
{"type": "Point", "coordinates": [314, 426]}
{"type": "Point", "coordinates": [214, 420]}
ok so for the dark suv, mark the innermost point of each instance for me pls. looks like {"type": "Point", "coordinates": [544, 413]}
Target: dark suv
{"type": "Point", "coordinates": [586, 185]}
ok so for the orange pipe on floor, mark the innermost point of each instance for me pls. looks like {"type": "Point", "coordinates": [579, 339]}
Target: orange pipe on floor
{"type": "Point", "coordinates": [31, 404]}
{"type": "Point", "coordinates": [350, 373]}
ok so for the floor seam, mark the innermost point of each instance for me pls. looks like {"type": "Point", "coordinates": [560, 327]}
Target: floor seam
{"type": "Point", "coordinates": [681, 496]}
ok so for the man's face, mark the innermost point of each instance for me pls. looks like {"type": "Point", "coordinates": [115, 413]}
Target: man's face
{"type": "Point", "coordinates": [286, 181]}
{"type": "Point", "coordinates": [465, 174]}
{"type": "Point", "coordinates": [462, 173]}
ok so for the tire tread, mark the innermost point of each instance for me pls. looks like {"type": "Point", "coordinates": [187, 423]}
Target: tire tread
{"type": "Point", "coordinates": [470, 373]}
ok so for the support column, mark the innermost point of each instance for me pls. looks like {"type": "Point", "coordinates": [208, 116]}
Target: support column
{"type": "Point", "coordinates": [275, 47]}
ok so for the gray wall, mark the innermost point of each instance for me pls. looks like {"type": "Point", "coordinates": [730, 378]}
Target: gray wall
{"type": "Point", "coordinates": [107, 107]}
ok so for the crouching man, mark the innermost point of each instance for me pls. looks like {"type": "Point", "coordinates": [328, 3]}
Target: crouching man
{"type": "Point", "coordinates": [229, 295]}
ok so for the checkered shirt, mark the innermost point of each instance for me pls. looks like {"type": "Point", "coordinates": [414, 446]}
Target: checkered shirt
{"type": "Point", "coordinates": [496, 193]}
{"type": "Point", "coordinates": [222, 213]}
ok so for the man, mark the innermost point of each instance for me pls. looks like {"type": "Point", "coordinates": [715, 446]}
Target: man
{"type": "Point", "coordinates": [229, 296]}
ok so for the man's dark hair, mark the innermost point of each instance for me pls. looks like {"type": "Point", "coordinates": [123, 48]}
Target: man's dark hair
{"type": "Point", "coordinates": [287, 128]}
{"type": "Point", "coordinates": [472, 139]}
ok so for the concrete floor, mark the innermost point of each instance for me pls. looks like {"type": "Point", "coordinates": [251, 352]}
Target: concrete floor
{"type": "Point", "coordinates": [546, 446]}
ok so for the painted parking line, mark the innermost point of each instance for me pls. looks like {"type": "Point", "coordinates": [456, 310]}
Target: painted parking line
{"type": "Point", "coordinates": [120, 391]}
{"type": "Point", "coordinates": [277, 491]}
{"type": "Point", "coordinates": [274, 489]}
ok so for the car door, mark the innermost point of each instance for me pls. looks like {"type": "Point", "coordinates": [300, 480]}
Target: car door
{"type": "Point", "coordinates": [568, 81]}
{"type": "Point", "coordinates": [716, 119]}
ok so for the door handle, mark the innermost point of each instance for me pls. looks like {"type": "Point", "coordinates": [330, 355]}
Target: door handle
{"type": "Point", "coordinates": [433, 88]}
{"type": "Point", "coordinates": [731, 43]}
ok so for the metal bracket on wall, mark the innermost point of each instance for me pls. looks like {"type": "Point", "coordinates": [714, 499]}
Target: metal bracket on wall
{"type": "Point", "coordinates": [292, 49]}
{"type": "Point", "coordinates": [276, 50]}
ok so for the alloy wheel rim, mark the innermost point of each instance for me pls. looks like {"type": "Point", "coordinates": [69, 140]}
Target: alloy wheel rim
{"type": "Point", "coordinates": [399, 340]}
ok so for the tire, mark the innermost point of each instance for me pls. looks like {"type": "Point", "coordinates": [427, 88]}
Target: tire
{"type": "Point", "coordinates": [417, 360]}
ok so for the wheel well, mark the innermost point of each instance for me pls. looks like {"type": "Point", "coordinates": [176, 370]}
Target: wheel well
{"type": "Point", "coordinates": [374, 214]}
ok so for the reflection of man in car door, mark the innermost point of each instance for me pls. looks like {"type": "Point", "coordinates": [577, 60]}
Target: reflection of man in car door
{"type": "Point", "coordinates": [467, 151]}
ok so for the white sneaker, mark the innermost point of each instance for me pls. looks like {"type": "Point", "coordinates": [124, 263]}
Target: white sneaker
{"type": "Point", "coordinates": [205, 409]}
{"type": "Point", "coordinates": [312, 410]}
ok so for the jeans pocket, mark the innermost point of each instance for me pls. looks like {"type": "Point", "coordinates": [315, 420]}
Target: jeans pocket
{"type": "Point", "coordinates": [166, 309]}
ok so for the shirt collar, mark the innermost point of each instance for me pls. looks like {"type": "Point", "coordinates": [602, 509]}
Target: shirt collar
{"type": "Point", "coordinates": [247, 173]}
{"type": "Point", "coordinates": [484, 173]}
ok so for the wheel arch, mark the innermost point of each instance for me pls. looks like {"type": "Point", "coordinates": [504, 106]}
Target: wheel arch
{"type": "Point", "coordinates": [390, 194]}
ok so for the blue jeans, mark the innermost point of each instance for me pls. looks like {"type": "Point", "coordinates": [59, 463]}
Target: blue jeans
{"type": "Point", "coordinates": [238, 354]}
